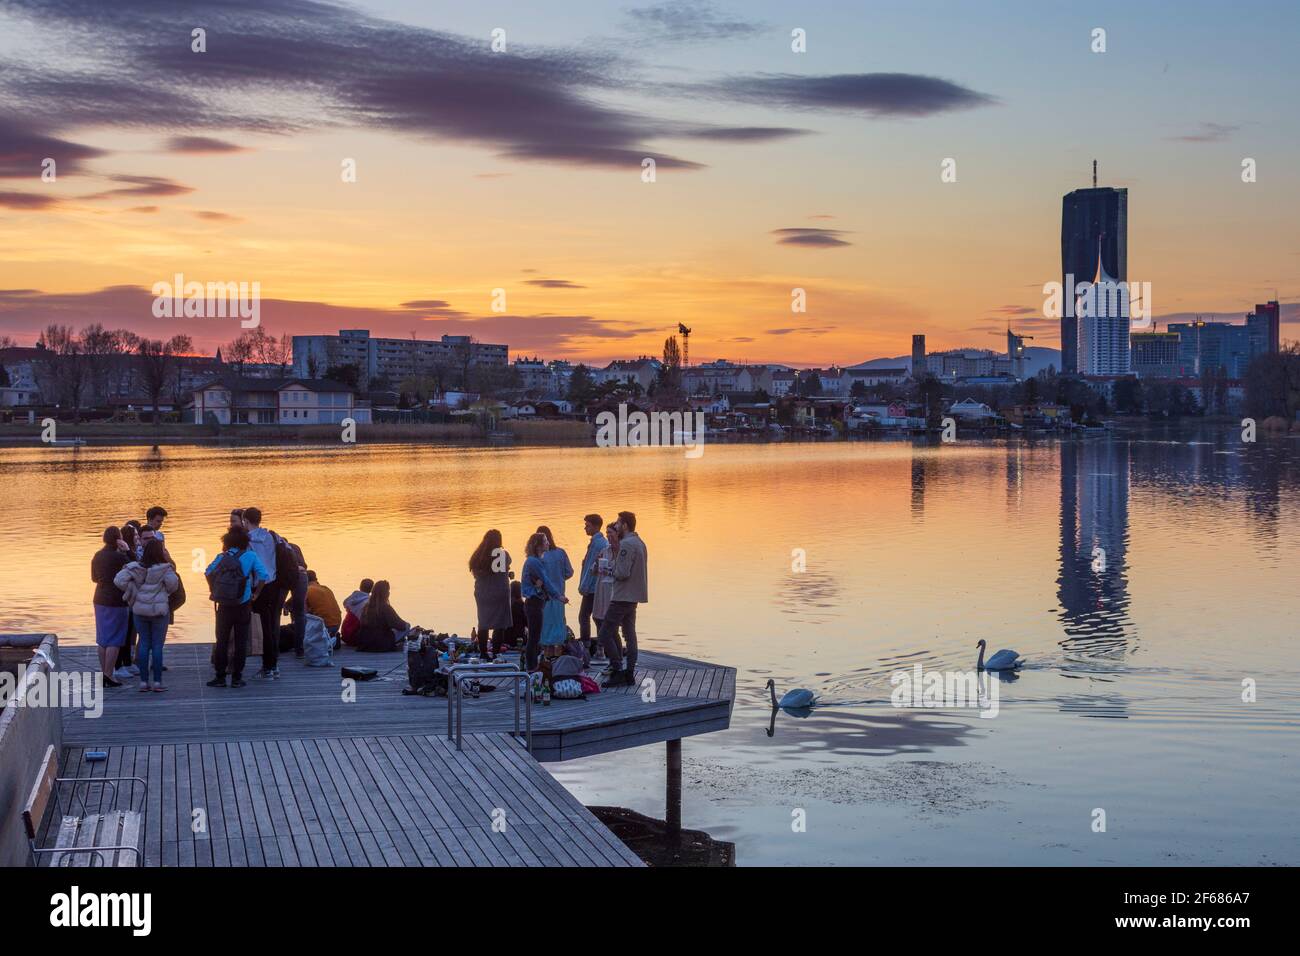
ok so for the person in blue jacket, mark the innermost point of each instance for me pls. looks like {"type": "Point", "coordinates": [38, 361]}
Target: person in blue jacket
{"type": "Point", "coordinates": [539, 590]}
{"type": "Point", "coordinates": [236, 616]}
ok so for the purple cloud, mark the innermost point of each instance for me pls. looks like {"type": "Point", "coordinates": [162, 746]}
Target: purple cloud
{"type": "Point", "coordinates": [810, 237]}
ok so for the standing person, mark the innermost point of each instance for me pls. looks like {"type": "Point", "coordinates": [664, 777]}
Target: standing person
{"type": "Point", "coordinates": [269, 603]}
{"type": "Point", "coordinates": [132, 545]}
{"type": "Point", "coordinates": [235, 577]}
{"type": "Point", "coordinates": [147, 585]}
{"type": "Point", "coordinates": [296, 604]}
{"type": "Point", "coordinates": [353, 605]}
{"type": "Point", "coordinates": [131, 534]}
{"type": "Point", "coordinates": [322, 602]}
{"type": "Point", "coordinates": [154, 519]}
{"type": "Point", "coordinates": [110, 604]}
{"type": "Point", "coordinates": [380, 624]}
{"type": "Point", "coordinates": [517, 634]}
{"type": "Point", "coordinates": [630, 589]}
{"type": "Point", "coordinates": [605, 583]}
{"type": "Point", "coordinates": [490, 565]}
{"type": "Point", "coordinates": [587, 578]}
{"type": "Point", "coordinates": [555, 629]}
{"type": "Point", "coordinates": [538, 590]}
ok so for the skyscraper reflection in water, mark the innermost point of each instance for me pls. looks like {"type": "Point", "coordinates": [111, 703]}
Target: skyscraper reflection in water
{"type": "Point", "coordinates": [1092, 587]}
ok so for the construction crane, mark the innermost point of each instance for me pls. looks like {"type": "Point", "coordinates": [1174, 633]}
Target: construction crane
{"type": "Point", "coordinates": [686, 344]}
{"type": "Point", "coordinates": [1014, 342]}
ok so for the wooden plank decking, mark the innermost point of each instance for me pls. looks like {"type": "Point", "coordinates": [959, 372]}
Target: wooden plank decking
{"type": "Point", "coordinates": [690, 697]}
{"type": "Point", "coordinates": [288, 772]}
{"type": "Point", "coordinates": [354, 801]}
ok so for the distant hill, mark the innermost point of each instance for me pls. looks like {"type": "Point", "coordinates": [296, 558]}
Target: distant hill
{"type": "Point", "coordinates": [1037, 358]}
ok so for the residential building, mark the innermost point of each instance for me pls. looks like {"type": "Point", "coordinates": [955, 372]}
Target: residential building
{"type": "Point", "coordinates": [876, 376]}
{"type": "Point", "coordinates": [1102, 323]}
{"type": "Point", "coordinates": [641, 370]}
{"type": "Point", "coordinates": [964, 363]}
{"type": "Point", "coordinates": [971, 410]}
{"type": "Point", "coordinates": [390, 358]}
{"type": "Point", "coordinates": [536, 374]}
{"type": "Point", "coordinates": [245, 400]}
{"type": "Point", "coordinates": [782, 382]}
{"type": "Point", "coordinates": [11, 397]}
{"type": "Point", "coordinates": [720, 376]}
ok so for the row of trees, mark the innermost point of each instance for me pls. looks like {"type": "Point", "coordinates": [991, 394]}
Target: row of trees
{"type": "Point", "coordinates": [106, 362]}
{"type": "Point", "coordinates": [1273, 384]}
{"type": "Point", "coordinates": [257, 346]}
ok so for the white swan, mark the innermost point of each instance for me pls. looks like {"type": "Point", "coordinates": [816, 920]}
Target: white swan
{"type": "Point", "coordinates": [791, 699]}
{"type": "Point", "coordinates": [1003, 660]}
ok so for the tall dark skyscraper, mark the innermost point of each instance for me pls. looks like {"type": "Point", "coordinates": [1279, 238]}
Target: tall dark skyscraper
{"type": "Point", "coordinates": [1085, 215]}
{"type": "Point", "coordinates": [918, 357]}
{"type": "Point", "coordinates": [1266, 326]}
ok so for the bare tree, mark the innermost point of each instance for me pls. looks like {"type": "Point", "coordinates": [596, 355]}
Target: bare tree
{"type": "Point", "coordinates": [107, 369]}
{"type": "Point", "coordinates": [159, 363]}
{"type": "Point", "coordinates": [63, 367]}
{"type": "Point", "coordinates": [463, 355]}
{"type": "Point", "coordinates": [239, 351]}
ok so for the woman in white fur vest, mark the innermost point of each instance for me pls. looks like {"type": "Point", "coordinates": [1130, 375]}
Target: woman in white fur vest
{"type": "Point", "coordinates": [147, 584]}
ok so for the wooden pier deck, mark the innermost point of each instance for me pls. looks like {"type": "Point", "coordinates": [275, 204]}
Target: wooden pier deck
{"type": "Point", "coordinates": [289, 772]}
{"type": "Point", "coordinates": [690, 697]}
{"type": "Point", "coordinates": [354, 801]}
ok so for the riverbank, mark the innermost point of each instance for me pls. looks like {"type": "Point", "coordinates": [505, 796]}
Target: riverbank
{"type": "Point", "coordinates": [558, 433]}
{"type": "Point", "coordinates": [115, 433]}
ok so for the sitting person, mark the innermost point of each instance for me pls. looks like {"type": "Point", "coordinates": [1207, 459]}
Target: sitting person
{"type": "Point", "coordinates": [381, 629]}
{"type": "Point", "coordinates": [322, 603]}
{"type": "Point", "coordinates": [353, 605]}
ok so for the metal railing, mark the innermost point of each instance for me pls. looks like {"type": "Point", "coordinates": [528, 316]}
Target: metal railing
{"type": "Point", "coordinates": [523, 687]}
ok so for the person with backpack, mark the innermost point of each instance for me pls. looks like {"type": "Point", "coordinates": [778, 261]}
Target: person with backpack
{"type": "Point", "coordinates": [148, 585]}
{"type": "Point", "coordinates": [235, 578]}
{"type": "Point", "coordinates": [282, 564]}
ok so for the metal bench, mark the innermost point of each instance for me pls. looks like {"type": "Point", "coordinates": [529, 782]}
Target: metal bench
{"type": "Point", "coordinates": [110, 838]}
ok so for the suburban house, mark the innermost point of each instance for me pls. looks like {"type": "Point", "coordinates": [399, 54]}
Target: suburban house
{"type": "Point", "coordinates": [971, 410]}
{"type": "Point", "coordinates": [893, 415]}
{"type": "Point", "coordinates": [782, 382]}
{"type": "Point", "coordinates": [872, 377]}
{"type": "Point", "coordinates": [240, 400]}
{"type": "Point", "coordinates": [553, 407]}
{"type": "Point", "coordinates": [642, 371]}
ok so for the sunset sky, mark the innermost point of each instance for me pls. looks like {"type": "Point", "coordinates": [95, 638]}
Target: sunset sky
{"type": "Point", "coordinates": [522, 169]}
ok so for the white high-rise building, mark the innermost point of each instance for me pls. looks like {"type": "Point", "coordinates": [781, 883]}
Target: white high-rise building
{"type": "Point", "coordinates": [1102, 313]}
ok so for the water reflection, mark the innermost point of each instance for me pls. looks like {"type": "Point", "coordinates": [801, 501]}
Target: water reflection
{"type": "Point", "coordinates": [1092, 586]}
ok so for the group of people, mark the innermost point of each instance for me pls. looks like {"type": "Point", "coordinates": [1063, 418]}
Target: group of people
{"type": "Point", "coordinates": [612, 581]}
{"type": "Point", "coordinates": [260, 573]}
{"type": "Point", "coordinates": [137, 592]}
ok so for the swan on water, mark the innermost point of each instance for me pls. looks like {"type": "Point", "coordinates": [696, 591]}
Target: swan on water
{"type": "Point", "coordinates": [1003, 660]}
{"type": "Point", "coordinates": [791, 699]}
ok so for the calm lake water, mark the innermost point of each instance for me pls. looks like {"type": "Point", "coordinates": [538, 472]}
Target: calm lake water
{"type": "Point", "coordinates": [831, 567]}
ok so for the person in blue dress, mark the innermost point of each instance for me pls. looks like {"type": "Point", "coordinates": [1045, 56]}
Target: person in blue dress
{"type": "Point", "coordinates": [539, 590]}
{"type": "Point", "coordinates": [555, 629]}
